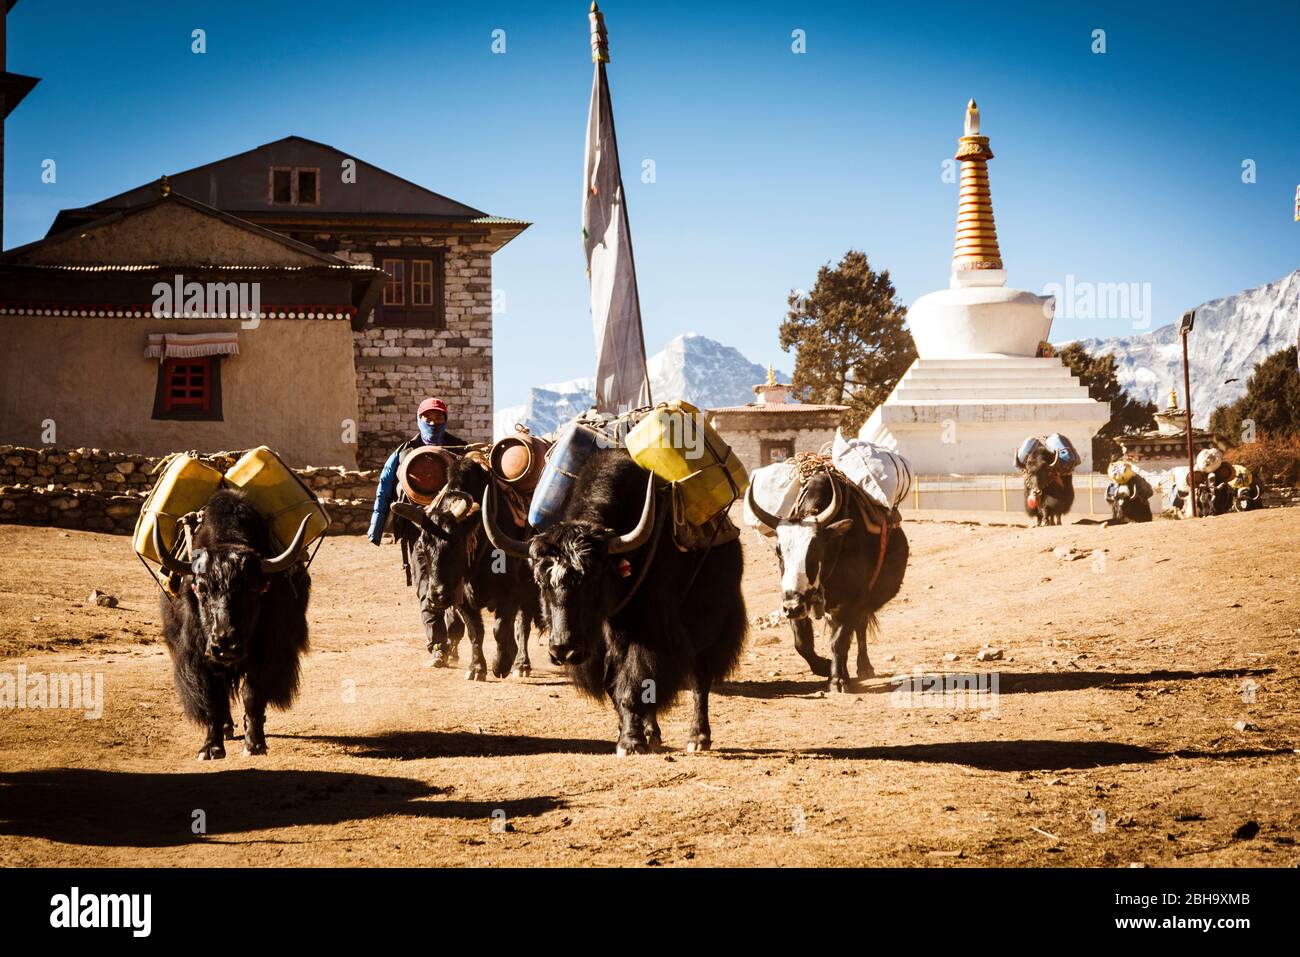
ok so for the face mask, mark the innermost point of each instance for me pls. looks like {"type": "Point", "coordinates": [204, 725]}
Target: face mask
{"type": "Point", "coordinates": [431, 434]}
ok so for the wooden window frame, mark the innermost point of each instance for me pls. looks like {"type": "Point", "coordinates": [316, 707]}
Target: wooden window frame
{"type": "Point", "coordinates": [209, 411]}
{"type": "Point", "coordinates": [430, 283]}
{"type": "Point", "coordinates": [270, 185]}
{"type": "Point", "coordinates": [405, 313]}
{"type": "Point", "coordinates": [294, 198]}
{"type": "Point", "coordinates": [391, 282]}
{"type": "Point", "coordinates": [297, 196]}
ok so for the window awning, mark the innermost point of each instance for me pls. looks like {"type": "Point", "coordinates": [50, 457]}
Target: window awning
{"type": "Point", "coordinates": [189, 345]}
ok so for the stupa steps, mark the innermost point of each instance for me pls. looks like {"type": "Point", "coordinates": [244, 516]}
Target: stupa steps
{"type": "Point", "coordinates": [959, 378]}
{"type": "Point", "coordinates": [989, 392]}
{"type": "Point", "coordinates": [1026, 365]}
{"type": "Point", "coordinates": [1041, 401]}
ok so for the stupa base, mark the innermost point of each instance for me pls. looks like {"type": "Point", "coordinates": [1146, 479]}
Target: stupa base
{"type": "Point", "coordinates": [968, 416]}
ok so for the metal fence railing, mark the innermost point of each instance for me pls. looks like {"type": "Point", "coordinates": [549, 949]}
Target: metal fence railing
{"type": "Point", "coordinates": [998, 493]}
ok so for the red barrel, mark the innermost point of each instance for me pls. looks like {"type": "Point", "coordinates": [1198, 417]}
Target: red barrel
{"type": "Point", "coordinates": [519, 459]}
{"type": "Point", "coordinates": [422, 473]}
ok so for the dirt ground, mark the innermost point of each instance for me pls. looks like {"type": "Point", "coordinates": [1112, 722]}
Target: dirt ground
{"type": "Point", "coordinates": [1145, 713]}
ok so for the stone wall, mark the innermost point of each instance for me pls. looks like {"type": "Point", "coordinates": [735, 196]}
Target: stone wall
{"type": "Point", "coordinates": [746, 443]}
{"type": "Point", "coordinates": [399, 365]}
{"type": "Point", "coordinates": [102, 491]}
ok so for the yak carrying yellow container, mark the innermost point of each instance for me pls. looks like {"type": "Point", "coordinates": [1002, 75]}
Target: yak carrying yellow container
{"type": "Point", "coordinates": [185, 486]}
{"type": "Point", "coordinates": [675, 443]}
{"type": "Point", "coordinates": [279, 496]}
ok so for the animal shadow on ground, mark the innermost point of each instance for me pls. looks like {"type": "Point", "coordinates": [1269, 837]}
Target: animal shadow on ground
{"type": "Point", "coordinates": [784, 688]}
{"type": "Point", "coordinates": [1012, 755]}
{"type": "Point", "coordinates": [120, 808]}
{"type": "Point", "coordinates": [1008, 682]}
{"type": "Point", "coordinates": [417, 745]}
{"type": "Point", "coordinates": [1036, 682]}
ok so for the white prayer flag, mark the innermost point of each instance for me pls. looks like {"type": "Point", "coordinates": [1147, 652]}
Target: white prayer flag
{"type": "Point", "coordinates": [621, 380]}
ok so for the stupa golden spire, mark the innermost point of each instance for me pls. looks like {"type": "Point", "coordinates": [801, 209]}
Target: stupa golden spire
{"type": "Point", "coordinates": [977, 235]}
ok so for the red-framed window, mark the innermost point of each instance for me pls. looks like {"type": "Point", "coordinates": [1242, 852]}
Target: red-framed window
{"type": "Point", "coordinates": [188, 384]}
{"type": "Point", "coordinates": [189, 389]}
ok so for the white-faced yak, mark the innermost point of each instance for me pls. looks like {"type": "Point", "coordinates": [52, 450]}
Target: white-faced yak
{"type": "Point", "coordinates": [839, 556]}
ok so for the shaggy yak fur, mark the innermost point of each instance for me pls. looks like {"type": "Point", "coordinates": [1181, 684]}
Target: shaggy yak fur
{"type": "Point", "coordinates": [233, 628]}
{"type": "Point", "coordinates": [638, 635]}
{"type": "Point", "coordinates": [1049, 491]}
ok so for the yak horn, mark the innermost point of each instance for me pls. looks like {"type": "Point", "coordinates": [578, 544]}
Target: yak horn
{"type": "Point", "coordinates": [281, 562]}
{"type": "Point", "coordinates": [826, 514]}
{"type": "Point", "coordinates": [419, 518]}
{"type": "Point", "coordinates": [170, 562]}
{"type": "Point", "coordinates": [767, 518]}
{"type": "Point", "coordinates": [1056, 457]}
{"type": "Point", "coordinates": [499, 539]}
{"type": "Point", "coordinates": [638, 536]}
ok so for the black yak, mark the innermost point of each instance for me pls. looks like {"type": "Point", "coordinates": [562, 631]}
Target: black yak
{"type": "Point", "coordinates": [458, 569]}
{"type": "Point", "coordinates": [630, 615]}
{"type": "Point", "coordinates": [1049, 487]}
{"type": "Point", "coordinates": [1129, 495]}
{"type": "Point", "coordinates": [239, 623]}
{"type": "Point", "coordinates": [838, 557]}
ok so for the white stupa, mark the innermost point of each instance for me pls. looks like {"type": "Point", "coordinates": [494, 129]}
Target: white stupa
{"type": "Point", "coordinates": [978, 387]}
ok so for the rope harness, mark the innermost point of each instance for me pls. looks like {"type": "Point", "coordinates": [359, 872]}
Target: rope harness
{"type": "Point", "coordinates": [810, 464]}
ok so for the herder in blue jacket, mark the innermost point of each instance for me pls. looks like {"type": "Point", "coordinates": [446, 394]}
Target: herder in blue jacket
{"type": "Point", "coordinates": [443, 629]}
{"type": "Point", "coordinates": [432, 420]}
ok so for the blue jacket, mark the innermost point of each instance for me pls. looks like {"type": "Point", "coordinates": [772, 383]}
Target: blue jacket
{"type": "Point", "coordinates": [386, 490]}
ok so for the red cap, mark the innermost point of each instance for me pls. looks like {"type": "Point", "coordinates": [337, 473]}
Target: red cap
{"type": "Point", "coordinates": [429, 404]}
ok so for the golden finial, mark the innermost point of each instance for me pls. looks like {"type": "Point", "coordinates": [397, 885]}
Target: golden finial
{"type": "Point", "coordinates": [771, 375]}
{"type": "Point", "coordinates": [977, 236]}
{"type": "Point", "coordinates": [166, 187]}
{"type": "Point", "coordinates": [599, 36]}
{"type": "Point", "coordinates": [1173, 399]}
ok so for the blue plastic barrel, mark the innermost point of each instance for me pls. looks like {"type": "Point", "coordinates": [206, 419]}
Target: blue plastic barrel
{"type": "Point", "coordinates": [1058, 443]}
{"type": "Point", "coordinates": [1026, 449]}
{"type": "Point", "coordinates": [566, 458]}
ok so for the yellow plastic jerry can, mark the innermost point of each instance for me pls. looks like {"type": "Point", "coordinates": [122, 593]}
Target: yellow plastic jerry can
{"type": "Point", "coordinates": [185, 486]}
{"type": "Point", "coordinates": [279, 496]}
{"type": "Point", "coordinates": [675, 443]}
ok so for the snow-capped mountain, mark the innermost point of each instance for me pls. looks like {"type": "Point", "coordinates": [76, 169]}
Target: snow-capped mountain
{"type": "Point", "coordinates": [1231, 336]}
{"type": "Point", "coordinates": [700, 370]}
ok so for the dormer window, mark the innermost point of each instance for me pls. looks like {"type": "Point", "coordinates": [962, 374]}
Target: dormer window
{"type": "Point", "coordinates": [295, 186]}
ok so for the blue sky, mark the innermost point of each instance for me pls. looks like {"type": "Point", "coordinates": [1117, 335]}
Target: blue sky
{"type": "Point", "coordinates": [1117, 167]}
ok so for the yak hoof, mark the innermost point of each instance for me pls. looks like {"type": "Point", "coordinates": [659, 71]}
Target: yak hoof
{"type": "Point", "coordinates": [212, 752]}
{"type": "Point", "coordinates": [252, 749]}
{"type": "Point", "coordinates": [699, 744]}
{"type": "Point", "coordinates": [821, 667]}
{"type": "Point", "coordinates": [476, 674]}
{"type": "Point", "coordinates": [229, 731]}
{"type": "Point", "coordinates": [524, 672]}
{"type": "Point", "coordinates": [839, 686]}
{"type": "Point", "coordinates": [866, 671]}
{"type": "Point", "coordinates": [635, 747]}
